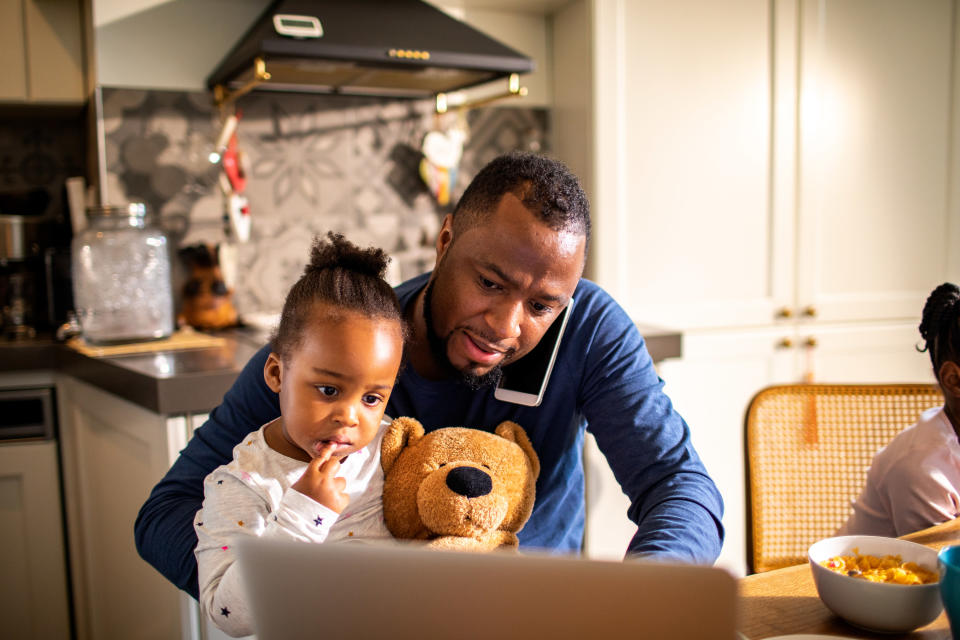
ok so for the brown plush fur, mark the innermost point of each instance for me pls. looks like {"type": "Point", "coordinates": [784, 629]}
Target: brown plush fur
{"type": "Point", "coordinates": [419, 503]}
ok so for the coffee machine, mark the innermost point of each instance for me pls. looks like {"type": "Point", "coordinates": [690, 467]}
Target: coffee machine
{"type": "Point", "coordinates": [34, 277]}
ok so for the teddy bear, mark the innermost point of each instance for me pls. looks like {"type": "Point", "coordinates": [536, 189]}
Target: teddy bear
{"type": "Point", "coordinates": [458, 488]}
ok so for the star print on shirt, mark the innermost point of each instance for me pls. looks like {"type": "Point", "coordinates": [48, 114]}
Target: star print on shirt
{"type": "Point", "coordinates": [219, 481]}
{"type": "Point", "coordinates": [240, 522]}
{"type": "Point", "coordinates": [225, 612]}
{"type": "Point", "coordinates": [318, 521]}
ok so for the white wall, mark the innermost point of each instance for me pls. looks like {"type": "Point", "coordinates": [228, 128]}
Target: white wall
{"type": "Point", "coordinates": [573, 95]}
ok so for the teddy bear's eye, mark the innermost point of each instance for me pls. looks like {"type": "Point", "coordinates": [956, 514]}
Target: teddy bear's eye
{"type": "Point", "coordinates": [443, 464]}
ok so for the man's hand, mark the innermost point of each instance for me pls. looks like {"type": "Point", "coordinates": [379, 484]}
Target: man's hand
{"type": "Point", "coordinates": [319, 481]}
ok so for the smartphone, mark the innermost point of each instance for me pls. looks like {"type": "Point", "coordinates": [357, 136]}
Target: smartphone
{"type": "Point", "coordinates": [525, 381]}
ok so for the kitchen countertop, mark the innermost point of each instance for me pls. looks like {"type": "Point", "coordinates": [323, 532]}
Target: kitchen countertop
{"type": "Point", "coordinates": [165, 382]}
{"type": "Point", "coordinates": [191, 380]}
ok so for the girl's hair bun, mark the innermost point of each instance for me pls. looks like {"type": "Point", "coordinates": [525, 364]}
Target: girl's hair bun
{"type": "Point", "coordinates": [336, 252]}
{"type": "Point", "coordinates": [342, 276]}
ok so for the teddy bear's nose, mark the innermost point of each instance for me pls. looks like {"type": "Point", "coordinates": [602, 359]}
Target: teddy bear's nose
{"type": "Point", "coordinates": [469, 481]}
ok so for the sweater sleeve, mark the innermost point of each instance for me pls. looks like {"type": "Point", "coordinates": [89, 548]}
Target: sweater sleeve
{"type": "Point", "coordinates": [231, 509]}
{"type": "Point", "coordinates": [164, 531]}
{"type": "Point", "coordinates": [674, 502]}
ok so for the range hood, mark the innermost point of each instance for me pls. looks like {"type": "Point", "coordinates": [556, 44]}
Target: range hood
{"type": "Point", "coordinates": [404, 48]}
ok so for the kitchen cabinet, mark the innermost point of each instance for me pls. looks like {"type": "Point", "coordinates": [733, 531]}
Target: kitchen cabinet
{"type": "Point", "coordinates": [114, 453]}
{"type": "Point", "coordinates": [122, 422]}
{"type": "Point", "coordinates": [41, 43]}
{"type": "Point", "coordinates": [876, 223]}
{"type": "Point", "coordinates": [773, 178]}
{"type": "Point", "coordinates": [33, 594]}
{"type": "Point", "coordinates": [756, 158]}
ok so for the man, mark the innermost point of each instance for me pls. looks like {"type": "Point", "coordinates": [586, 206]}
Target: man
{"type": "Point", "coordinates": [509, 260]}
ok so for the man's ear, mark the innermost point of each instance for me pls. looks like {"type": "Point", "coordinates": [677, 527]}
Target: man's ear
{"type": "Point", "coordinates": [273, 372]}
{"type": "Point", "coordinates": [949, 376]}
{"type": "Point", "coordinates": [445, 237]}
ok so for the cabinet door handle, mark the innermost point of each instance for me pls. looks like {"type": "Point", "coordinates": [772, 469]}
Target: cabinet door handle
{"type": "Point", "coordinates": [811, 341]}
{"type": "Point", "coordinates": [810, 311]}
{"type": "Point", "coordinates": [785, 343]}
{"type": "Point", "coordinates": [785, 312]}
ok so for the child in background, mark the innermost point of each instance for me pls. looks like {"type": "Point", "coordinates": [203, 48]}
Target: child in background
{"type": "Point", "coordinates": [914, 482]}
{"type": "Point", "coordinates": [314, 473]}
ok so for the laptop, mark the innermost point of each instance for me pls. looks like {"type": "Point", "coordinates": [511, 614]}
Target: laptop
{"type": "Point", "coordinates": [400, 591]}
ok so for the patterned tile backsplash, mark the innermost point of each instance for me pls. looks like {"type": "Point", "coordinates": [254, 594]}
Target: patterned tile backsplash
{"type": "Point", "coordinates": [314, 164]}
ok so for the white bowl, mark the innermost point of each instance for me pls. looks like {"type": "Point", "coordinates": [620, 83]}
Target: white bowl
{"type": "Point", "coordinates": [876, 606]}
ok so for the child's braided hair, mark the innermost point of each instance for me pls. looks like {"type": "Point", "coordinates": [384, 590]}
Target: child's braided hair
{"type": "Point", "coordinates": [940, 325]}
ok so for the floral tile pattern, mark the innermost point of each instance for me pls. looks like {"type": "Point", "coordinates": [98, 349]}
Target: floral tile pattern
{"type": "Point", "coordinates": [314, 164]}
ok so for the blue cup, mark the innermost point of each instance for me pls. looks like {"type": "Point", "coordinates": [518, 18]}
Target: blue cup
{"type": "Point", "coordinates": [948, 562]}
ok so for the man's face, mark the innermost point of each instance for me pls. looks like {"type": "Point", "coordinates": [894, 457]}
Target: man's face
{"type": "Point", "coordinates": [497, 287]}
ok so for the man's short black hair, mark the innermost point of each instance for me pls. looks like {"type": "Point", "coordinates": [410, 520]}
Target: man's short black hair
{"type": "Point", "coordinates": [544, 185]}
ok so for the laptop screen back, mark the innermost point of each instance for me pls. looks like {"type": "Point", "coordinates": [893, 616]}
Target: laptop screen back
{"type": "Point", "coordinates": [364, 590]}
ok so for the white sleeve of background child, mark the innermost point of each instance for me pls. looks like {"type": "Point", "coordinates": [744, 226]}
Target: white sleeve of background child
{"type": "Point", "coordinates": [232, 507]}
{"type": "Point", "coordinates": [920, 494]}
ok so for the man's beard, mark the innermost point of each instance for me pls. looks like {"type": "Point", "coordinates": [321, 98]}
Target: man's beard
{"type": "Point", "coordinates": [438, 347]}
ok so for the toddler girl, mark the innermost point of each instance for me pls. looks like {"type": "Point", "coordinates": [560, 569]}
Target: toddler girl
{"type": "Point", "coordinates": [914, 482]}
{"type": "Point", "coordinates": [313, 474]}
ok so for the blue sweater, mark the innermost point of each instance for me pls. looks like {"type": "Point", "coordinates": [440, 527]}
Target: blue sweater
{"type": "Point", "coordinates": [603, 380]}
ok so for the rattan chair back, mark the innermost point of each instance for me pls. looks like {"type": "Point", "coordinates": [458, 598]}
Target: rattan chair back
{"type": "Point", "coordinates": [807, 451]}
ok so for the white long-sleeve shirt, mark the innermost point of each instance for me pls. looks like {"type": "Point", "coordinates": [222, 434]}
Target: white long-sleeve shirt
{"type": "Point", "coordinates": [913, 482]}
{"type": "Point", "coordinates": [252, 496]}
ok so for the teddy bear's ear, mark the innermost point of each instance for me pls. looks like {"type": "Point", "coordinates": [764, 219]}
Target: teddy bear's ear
{"type": "Point", "coordinates": [401, 433]}
{"type": "Point", "coordinates": [514, 433]}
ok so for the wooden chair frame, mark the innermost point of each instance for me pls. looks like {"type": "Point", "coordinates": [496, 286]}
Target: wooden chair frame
{"type": "Point", "coordinates": [807, 448]}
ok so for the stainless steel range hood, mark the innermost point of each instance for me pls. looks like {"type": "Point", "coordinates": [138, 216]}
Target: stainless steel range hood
{"type": "Point", "coordinates": [369, 47]}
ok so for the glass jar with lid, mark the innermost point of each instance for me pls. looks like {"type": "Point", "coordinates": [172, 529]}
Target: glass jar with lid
{"type": "Point", "coordinates": [121, 276]}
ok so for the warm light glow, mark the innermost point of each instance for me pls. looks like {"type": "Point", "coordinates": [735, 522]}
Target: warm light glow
{"type": "Point", "coordinates": [824, 113]}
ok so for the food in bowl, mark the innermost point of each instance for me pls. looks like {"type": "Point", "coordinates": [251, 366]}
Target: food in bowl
{"type": "Point", "coordinates": [889, 568]}
{"type": "Point", "coordinates": [876, 606]}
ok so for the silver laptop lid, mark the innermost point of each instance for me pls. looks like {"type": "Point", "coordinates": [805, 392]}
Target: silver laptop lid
{"type": "Point", "coordinates": [381, 590]}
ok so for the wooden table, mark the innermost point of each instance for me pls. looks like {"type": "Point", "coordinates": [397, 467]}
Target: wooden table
{"type": "Point", "coordinates": [785, 601]}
